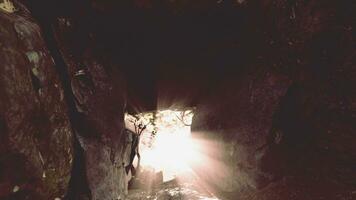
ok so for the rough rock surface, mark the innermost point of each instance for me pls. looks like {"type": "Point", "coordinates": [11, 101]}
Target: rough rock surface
{"type": "Point", "coordinates": [238, 122]}
{"type": "Point", "coordinates": [308, 129]}
{"type": "Point", "coordinates": [282, 129]}
{"type": "Point", "coordinates": [36, 150]}
{"type": "Point", "coordinates": [99, 93]}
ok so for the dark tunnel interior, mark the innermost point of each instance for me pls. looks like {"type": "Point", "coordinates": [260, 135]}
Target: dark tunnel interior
{"type": "Point", "coordinates": [103, 99]}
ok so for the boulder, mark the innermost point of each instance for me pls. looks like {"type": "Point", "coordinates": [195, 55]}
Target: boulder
{"type": "Point", "coordinates": [99, 93]}
{"type": "Point", "coordinates": [36, 150]}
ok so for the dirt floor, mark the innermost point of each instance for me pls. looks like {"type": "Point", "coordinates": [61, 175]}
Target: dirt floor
{"type": "Point", "coordinates": [289, 188]}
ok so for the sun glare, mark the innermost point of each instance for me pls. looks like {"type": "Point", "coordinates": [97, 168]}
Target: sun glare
{"type": "Point", "coordinates": [165, 141]}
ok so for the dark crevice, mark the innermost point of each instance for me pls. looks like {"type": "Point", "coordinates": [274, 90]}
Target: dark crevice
{"type": "Point", "coordinates": [36, 83]}
{"type": "Point", "coordinates": [78, 186]}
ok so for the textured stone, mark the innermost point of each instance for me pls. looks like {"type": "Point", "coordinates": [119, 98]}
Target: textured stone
{"type": "Point", "coordinates": [36, 150]}
{"type": "Point", "coordinates": [237, 124]}
{"type": "Point", "coordinates": [99, 93]}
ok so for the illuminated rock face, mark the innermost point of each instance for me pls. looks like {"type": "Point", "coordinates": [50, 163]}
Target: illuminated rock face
{"type": "Point", "coordinates": [36, 152]}
{"type": "Point", "coordinates": [7, 6]}
{"type": "Point", "coordinates": [239, 131]}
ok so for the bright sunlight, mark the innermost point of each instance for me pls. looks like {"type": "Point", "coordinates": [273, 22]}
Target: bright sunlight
{"type": "Point", "coordinates": [165, 140]}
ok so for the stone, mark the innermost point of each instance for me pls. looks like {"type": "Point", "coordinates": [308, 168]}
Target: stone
{"type": "Point", "coordinates": [237, 132]}
{"type": "Point", "coordinates": [99, 96]}
{"type": "Point", "coordinates": [36, 136]}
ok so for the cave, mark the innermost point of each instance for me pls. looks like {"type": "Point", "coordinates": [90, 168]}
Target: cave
{"type": "Point", "coordinates": [177, 99]}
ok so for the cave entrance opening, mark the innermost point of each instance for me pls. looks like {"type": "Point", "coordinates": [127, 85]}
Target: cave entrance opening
{"type": "Point", "coordinates": [161, 145]}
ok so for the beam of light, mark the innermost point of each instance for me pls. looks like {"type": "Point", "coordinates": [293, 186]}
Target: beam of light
{"type": "Point", "coordinates": [175, 152]}
{"type": "Point", "coordinates": [212, 169]}
{"type": "Point", "coordinates": [170, 149]}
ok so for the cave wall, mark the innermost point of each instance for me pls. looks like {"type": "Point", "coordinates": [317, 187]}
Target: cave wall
{"type": "Point", "coordinates": [99, 94]}
{"type": "Point", "coordinates": [303, 122]}
{"type": "Point", "coordinates": [36, 152]}
{"type": "Point", "coordinates": [241, 126]}
{"type": "Point", "coordinates": [73, 96]}
{"type": "Point", "coordinates": [273, 82]}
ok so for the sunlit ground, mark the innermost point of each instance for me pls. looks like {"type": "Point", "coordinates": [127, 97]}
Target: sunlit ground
{"type": "Point", "coordinates": [171, 149]}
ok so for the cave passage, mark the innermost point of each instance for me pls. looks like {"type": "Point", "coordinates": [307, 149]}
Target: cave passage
{"type": "Point", "coordinates": [163, 100]}
{"type": "Point", "coordinates": [164, 142]}
{"type": "Point", "coordinates": [163, 154]}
